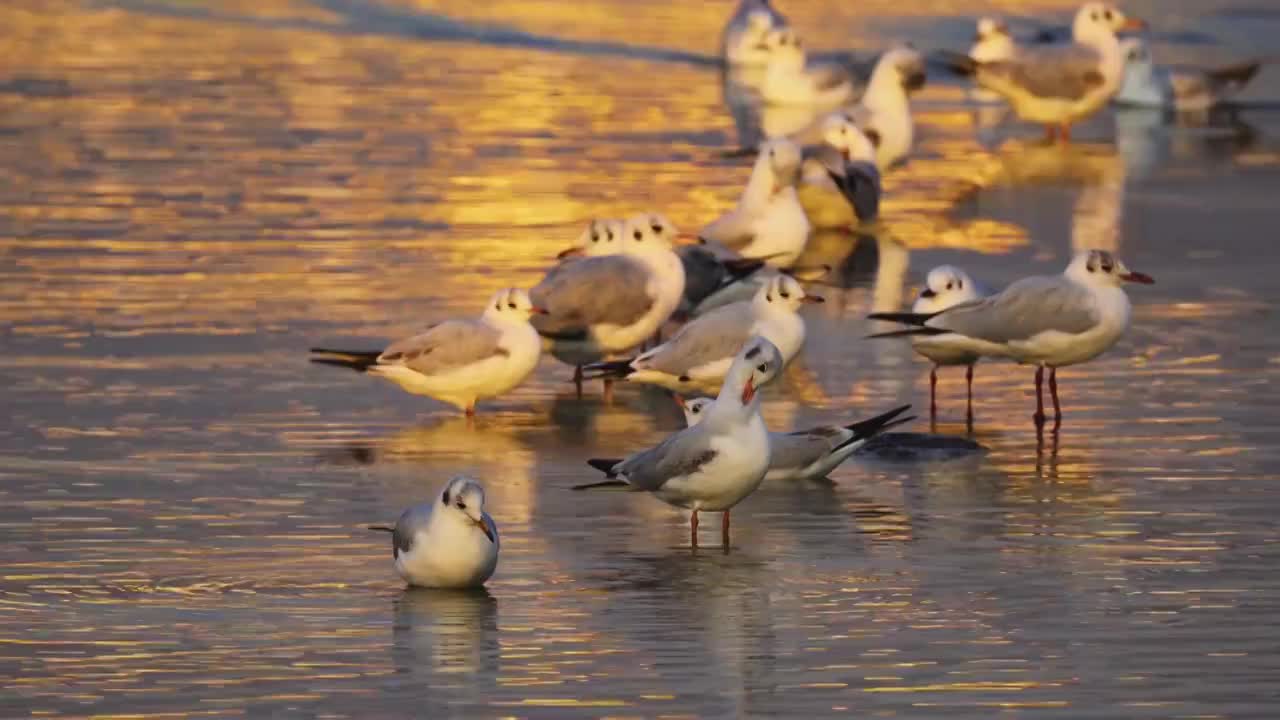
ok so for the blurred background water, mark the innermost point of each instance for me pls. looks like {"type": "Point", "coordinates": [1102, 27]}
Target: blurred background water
{"type": "Point", "coordinates": [195, 192]}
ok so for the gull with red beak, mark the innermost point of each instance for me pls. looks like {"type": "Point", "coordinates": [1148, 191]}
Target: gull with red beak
{"type": "Point", "coordinates": [457, 361]}
{"type": "Point", "coordinates": [1058, 85]}
{"type": "Point", "coordinates": [701, 353]}
{"type": "Point", "coordinates": [768, 222]}
{"type": "Point", "coordinates": [945, 286]}
{"type": "Point", "coordinates": [713, 465]}
{"type": "Point", "coordinates": [449, 543]}
{"type": "Point", "coordinates": [1046, 321]}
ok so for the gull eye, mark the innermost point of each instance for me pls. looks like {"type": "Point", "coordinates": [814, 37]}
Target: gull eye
{"type": "Point", "coordinates": [1107, 15]}
{"type": "Point", "coordinates": [657, 229]}
{"type": "Point", "coordinates": [462, 505]}
{"type": "Point", "coordinates": [785, 294]}
{"type": "Point", "coordinates": [497, 305]}
{"type": "Point", "coordinates": [948, 286]}
{"type": "Point", "coordinates": [763, 367]}
{"type": "Point", "coordinates": [639, 235]}
{"type": "Point", "coordinates": [595, 237]}
{"type": "Point", "coordinates": [511, 305]}
{"type": "Point", "coordinates": [768, 298]}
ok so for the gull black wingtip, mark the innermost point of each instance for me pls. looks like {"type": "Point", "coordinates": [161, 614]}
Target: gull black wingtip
{"type": "Point", "coordinates": [608, 370]}
{"type": "Point", "coordinates": [601, 485]}
{"type": "Point", "coordinates": [864, 429]}
{"type": "Point", "coordinates": [358, 360]}
{"type": "Point", "coordinates": [381, 528]}
{"type": "Point", "coordinates": [604, 465]}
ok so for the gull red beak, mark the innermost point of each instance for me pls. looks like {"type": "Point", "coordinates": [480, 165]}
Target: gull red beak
{"type": "Point", "coordinates": [1137, 277]}
{"type": "Point", "coordinates": [539, 311]}
{"type": "Point", "coordinates": [687, 239]}
{"type": "Point", "coordinates": [748, 392]}
{"type": "Point", "coordinates": [571, 252]}
{"type": "Point", "coordinates": [813, 299]}
{"type": "Point", "coordinates": [1133, 24]}
{"type": "Point", "coordinates": [484, 529]}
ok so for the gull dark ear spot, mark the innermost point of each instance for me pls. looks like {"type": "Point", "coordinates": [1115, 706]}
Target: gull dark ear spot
{"type": "Point", "coordinates": [638, 235]}
{"type": "Point", "coordinates": [445, 497]}
{"type": "Point", "coordinates": [753, 352]}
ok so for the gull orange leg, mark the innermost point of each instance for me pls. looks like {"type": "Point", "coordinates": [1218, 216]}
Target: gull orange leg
{"type": "Point", "coordinates": [968, 379]}
{"type": "Point", "coordinates": [1039, 416]}
{"type": "Point", "coordinates": [693, 529]}
{"type": "Point", "coordinates": [724, 531]}
{"type": "Point", "coordinates": [1066, 133]}
{"type": "Point", "coordinates": [1050, 132]}
{"type": "Point", "coordinates": [933, 393]}
{"type": "Point", "coordinates": [577, 379]}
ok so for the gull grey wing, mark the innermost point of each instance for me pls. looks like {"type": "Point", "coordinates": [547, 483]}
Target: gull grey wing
{"type": "Point", "coordinates": [860, 185]}
{"type": "Point", "coordinates": [680, 454]}
{"type": "Point", "coordinates": [1026, 308]}
{"type": "Point", "coordinates": [829, 76]}
{"type": "Point", "coordinates": [610, 289]}
{"type": "Point", "coordinates": [410, 522]}
{"type": "Point", "coordinates": [450, 345]}
{"type": "Point", "coordinates": [793, 451]}
{"type": "Point", "coordinates": [733, 229]}
{"type": "Point", "coordinates": [714, 336]}
{"type": "Point", "coordinates": [1069, 72]}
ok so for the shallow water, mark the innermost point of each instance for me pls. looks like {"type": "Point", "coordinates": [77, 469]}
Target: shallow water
{"type": "Point", "coordinates": [196, 192]}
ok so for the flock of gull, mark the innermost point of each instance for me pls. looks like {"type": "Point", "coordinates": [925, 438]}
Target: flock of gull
{"type": "Point", "coordinates": [738, 292]}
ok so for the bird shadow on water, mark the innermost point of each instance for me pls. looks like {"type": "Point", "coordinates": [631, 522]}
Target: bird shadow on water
{"type": "Point", "coordinates": [445, 631]}
{"type": "Point", "coordinates": [369, 18]}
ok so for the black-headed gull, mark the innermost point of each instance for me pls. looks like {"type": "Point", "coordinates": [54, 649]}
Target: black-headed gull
{"type": "Point", "coordinates": [1058, 85]}
{"type": "Point", "coordinates": [992, 41]}
{"type": "Point", "coordinates": [457, 361]}
{"type": "Point", "coordinates": [1182, 89]}
{"type": "Point", "coordinates": [944, 287]}
{"type": "Point", "coordinates": [1046, 321]}
{"type": "Point", "coordinates": [884, 110]}
{"type": "Point", "coordinates": [840, 183]}
{"type": "Point", "coordinates": [768, 221]}
{"type": "Point", "coordinates": [713, 465]}
{"type": "Point", "coordinates": [791, 79]}
{"type": "Point", "coordinates": [810, 454]}
{"type": "Point", "coordinates": [698, 357]}
{"type": "Point", "coordinates": [448, 543]}
{"type": "Point", "coordinates": [605, 304]}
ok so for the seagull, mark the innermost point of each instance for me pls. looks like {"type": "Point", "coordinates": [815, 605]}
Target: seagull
{"type": "Point", "coordinates": [768, 222]}
{"type": "Point", "coordinates": [710, 268]}
{"type": "Point", "coordinates": [884, 111]}
{"type": "Point", "coordinates": [457, 361]}
{"type": "Point", "coordinates": [840, 181]}
{"type": "Point", "coordinates": [742, 41]}
{"type": "Point", "coordinates": [1046, 321]}
{"type": "Point", "coordinates": [1149, 85]}
{"type": "Point", "coordinates": [449, 543]}
{"type": "Point", "coordinates": [718, 462]}
{"type": "Point", "coordinates": [701, 353]}
{"type": "Point", "coordinates": [1058, 85]}
{"type": "Point", "coordinates": [607, 304]}
{"type": "Point", "coordinates": [809, 454]}
{"type": "Point", "coordinates": [944, 287]}
{"type": "Point", "coordinates": [746, 288]}
{"type": "Point", "coordinates": [790, 79]}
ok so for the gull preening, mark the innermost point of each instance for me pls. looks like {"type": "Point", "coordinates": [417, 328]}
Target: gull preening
{"type": "Point", "coordinates": [700, 354]}
{"type": "Point", "coordinates": [1046, 321]}
{"type": "Point", "coordinates": [1058, 85]}
{"type": "Point", "coordinates": [768, 221]}
{"type": "Point", "coordinates": [448, 543]}
{"type": "Point", "coordinates": [1183, 89]}
{"type": "Point", "coordinates": [809, 454]}
{"type": "Point", "coordinates": [713, 465]}
{"type": "Point", "coordinates": [944, 287]}
{"type": "Point", "coordinates": [605, 304]}
{"type": "Point", "coordinates": [457, 361]}
{"type": "Point", "coordinates": [841, 183]}
{"type": "Point", "coordinates": [884, 110]}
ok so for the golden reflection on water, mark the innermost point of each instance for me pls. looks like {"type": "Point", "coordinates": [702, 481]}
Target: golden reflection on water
{"type": "Point", "coordinates": [198, 191]}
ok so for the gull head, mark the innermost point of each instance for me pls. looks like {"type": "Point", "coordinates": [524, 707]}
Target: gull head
{"type": "Point", "coordinates": [758, 363]}
{"type": "Point", "coordinates": [784, 293]}
{"type": "Point", "coordinates": [1097, 20]}
{"type": "Point", "coordinates": [784, 47]}
{"type": "Point", "coordinates": [906, 65]}
{"type": "Point", "coordinates": [1103, 268]}
{"type": "Point", "coordinates": [782, 159]}
{"type": "Point", "coordinates": [462, 500]}
{"type": "Point", "coordinates": [759, 23]}
{"type": "Point", "coordinates": [650, 232]}
{"type": "Point", "coordinates": [990, 28]}
{"type": "Point", "coordinates": [945, 286]}
{"type": "Point", "coordinates": [842, 133]}
{"type": "Point", "coordinates": [693, 409]}
{"type": "Point", "coordinates": [511, 305]}
{"type": "Point", "coordinates": [600, 237]}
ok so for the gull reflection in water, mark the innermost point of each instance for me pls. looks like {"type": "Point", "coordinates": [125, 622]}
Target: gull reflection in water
{"type": "Point", "coordinates": [445, 632]}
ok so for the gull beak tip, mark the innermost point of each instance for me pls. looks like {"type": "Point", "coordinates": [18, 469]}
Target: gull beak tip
{"type": "Point", "coordinates": [1137, 277]}
{"type": "Point", "coordinates": [813, 299]}
{"type": "Point", "coordinates": [539, 311]}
